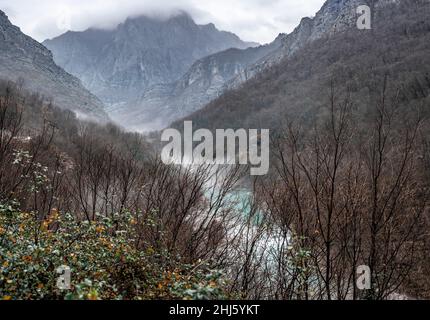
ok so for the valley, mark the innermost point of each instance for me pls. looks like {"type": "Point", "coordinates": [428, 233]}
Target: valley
{"type": "Point", "coordinates": [161, 158]}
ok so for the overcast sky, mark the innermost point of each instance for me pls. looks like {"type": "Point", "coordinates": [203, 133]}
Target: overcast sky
{"type": "Point", "coordinates": [252, 20]}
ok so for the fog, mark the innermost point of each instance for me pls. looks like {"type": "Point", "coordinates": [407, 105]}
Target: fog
{"type": "Point", "coordinates": [252, 20]}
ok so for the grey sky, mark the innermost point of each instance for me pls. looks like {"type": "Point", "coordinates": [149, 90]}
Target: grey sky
{"type": "Point", "coordinates": [252, 20]}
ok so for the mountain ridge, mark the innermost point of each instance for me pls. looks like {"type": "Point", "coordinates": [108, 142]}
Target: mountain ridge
{"type": "Point", "coordinates": [23, 59]}
{"type": "Point", "coordinates": [216, 74]}
{"type": "Point", "coordinates": [118, 65]}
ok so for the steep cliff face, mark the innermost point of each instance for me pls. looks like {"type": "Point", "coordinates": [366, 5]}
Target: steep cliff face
{"type": "Point", "coordinates": [148, 86]}
{"type": "Point", "coordinates": [210, 77]}
{"type": "Point", "coordinates": [121, 64]}
{"type": "Point", "coordinates": [205, 80]}
{"type": "Point", "coordinates": [22, 58]}
{"type": "Point", "coordinates": [335, 16]}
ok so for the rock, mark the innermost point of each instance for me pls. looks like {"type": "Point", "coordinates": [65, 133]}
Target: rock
{"type": "Point", "coordinates": [211, 76]}
{"type": "Point", "coordinates": [205, 80]}
{"type": "Point", "coordinates": [26, 60]}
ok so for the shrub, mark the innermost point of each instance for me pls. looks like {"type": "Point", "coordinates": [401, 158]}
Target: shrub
{"type": "Point", "coordinates": [102, 256]}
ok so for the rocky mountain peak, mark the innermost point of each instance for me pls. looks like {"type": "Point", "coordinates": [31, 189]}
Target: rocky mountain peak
{"type": "Point", "coordinates": [182, 18]}
{"type": "Point", "coordinates": [141, 52]}
{"type": "Point", "coordinates": [179, 19]}
{"type": "Point", "coordinates": [211, 76]}
{"type": "Point", "coordinates": [209, 26]}
{"type": "Point", "coordinates": [16, 40]}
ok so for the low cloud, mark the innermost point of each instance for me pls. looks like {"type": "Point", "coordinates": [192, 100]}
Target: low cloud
{"type": "Point", "coordinates": [252, 20]}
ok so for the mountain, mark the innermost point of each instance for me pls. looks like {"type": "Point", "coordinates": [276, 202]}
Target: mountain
{"type": "Point", "coordinates": [294, 82]}
{"type": "Point", "coordinates": [206, 79]}
{"type": "Point", "coordinates": [119, 65]}
{"type": "Point", "coordinates": [25, 60]}
{"type": "Point", "coordinates": [211, 76]}
{"type": "Point", "coordinates": [334, 17]}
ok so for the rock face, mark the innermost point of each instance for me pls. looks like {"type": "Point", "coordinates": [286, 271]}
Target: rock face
{"type": "Point", "coordinates": [146, 93]}
{"type": "Point", "coordinates": [357, 62]}
{"type": "Point", "coordinates": [211, 76]}
{"type": "Point", "coordinates": [22, 58]}
{"type": "Point", "coordinates": [335, 16]}
{"type": "Point", "coordinates": [207, 79]}
{"type": "Point", "coordinates": [120, 65]}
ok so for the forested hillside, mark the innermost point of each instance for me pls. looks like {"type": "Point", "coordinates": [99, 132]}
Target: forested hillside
{"type": "Point", "coordinates": [348, 184]}
{"type": "Point", "coordinates": [99, 201]}
{"type": "Point", "coordinates": [397, 47]}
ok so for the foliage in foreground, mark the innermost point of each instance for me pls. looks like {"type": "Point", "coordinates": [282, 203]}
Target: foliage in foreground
{"type": "Point", "coordinates": [104, 262]}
